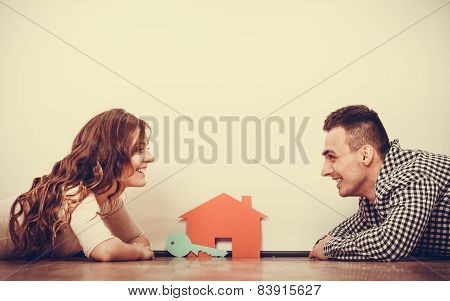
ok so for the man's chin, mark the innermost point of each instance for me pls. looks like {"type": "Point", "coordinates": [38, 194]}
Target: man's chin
{"type": "Point", "coordinates": [348, 193]}
{"type": "Point", "coordinates": [343, 193]}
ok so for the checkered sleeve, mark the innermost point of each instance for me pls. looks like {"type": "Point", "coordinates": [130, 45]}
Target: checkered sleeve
{"type": "Point", "coordinates": [397, 236]}
{"type": "Point", "coordinates": [351, 225]}
{"type": "Point", "coordinates": [354, 224]}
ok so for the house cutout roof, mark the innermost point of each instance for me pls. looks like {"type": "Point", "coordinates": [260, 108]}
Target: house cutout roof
{"type": "Point", "coordinates": [224, 198]}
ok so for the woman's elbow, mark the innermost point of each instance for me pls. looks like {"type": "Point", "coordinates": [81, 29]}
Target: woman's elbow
{"type": "Point", "coordinates": [102, 253]}
{"type": "Point", "coordinates": [102, 257]}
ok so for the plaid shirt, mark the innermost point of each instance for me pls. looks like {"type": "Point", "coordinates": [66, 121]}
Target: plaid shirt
{"type": "Point", "coordinates": [410, 215]}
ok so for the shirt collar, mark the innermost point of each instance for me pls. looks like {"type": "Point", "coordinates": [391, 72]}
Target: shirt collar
{"type": "Point", "coordinates": [392, 161]}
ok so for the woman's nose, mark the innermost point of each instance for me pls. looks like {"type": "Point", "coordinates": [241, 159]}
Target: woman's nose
{"type": "Point", "coordinates": [148, 157]}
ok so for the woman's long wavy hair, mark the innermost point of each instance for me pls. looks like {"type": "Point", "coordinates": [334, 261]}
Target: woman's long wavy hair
{"type": "Point", "coordinates": [99, 159]}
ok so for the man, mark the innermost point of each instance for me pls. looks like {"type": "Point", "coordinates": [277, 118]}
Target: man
{"type": "Point", "coordinates": [404, 194]}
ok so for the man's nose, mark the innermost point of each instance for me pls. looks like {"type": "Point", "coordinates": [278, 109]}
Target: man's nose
{"type": "Point", "coordinates": [326, 169]}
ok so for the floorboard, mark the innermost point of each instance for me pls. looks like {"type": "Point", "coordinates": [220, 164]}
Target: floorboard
{"type": "Point", "coordinates": [166, 268]}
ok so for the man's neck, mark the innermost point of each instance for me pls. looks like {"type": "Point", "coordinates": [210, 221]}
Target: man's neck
{"type": "Point", "coordinates": [369, 187]}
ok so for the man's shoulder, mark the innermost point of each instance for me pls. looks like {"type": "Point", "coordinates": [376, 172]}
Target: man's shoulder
{"type": "Point", "coordinates": [423, 166]}
{"type": "Point", "coordinates": [405, 167]}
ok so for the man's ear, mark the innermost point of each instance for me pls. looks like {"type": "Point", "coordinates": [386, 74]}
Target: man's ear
{"type": "Point", "coordinates": [366, 154]}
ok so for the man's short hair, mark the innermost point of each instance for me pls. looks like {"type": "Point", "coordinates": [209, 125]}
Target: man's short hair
{"type": "Point", "coordinates": [362, 125]}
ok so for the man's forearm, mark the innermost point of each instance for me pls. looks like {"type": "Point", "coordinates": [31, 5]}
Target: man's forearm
{"type": "Point", "coordinates": [397, 235]}
{"type": "Point", "coordinates": [351, 225]}
{"type": "Point", "coordinates": [126, 252]}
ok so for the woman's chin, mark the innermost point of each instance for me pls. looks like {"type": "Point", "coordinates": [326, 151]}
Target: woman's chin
{"type": "Point", "coordinates": [139, 183]}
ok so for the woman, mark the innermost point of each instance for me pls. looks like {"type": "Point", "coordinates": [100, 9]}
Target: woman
{"type": "Point", "coordinates": [79, 205]}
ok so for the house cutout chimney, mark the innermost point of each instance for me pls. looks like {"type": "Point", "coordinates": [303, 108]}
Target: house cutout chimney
{"type": "Point", "coordinates": [247, 201]}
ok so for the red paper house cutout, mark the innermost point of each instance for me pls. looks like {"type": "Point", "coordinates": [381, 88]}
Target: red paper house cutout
{"type": "Point", "coordinates": [224, 217]}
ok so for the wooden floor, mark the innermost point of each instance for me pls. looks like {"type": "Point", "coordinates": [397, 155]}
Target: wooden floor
{"type": "Point", "coordinates": [298, 269]}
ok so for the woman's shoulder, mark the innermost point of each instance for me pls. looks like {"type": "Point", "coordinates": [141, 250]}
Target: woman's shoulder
{"type": "Point", "coordinates": [79, 201]}
{"type": "Point", "coordinates": [85, 201]}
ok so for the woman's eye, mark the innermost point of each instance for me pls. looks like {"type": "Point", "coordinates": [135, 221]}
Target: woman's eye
{"type": "Point", "coordinates": [141, 150]}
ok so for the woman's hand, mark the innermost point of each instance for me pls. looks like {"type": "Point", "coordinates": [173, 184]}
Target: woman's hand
{"type": "Point", "coordinates": [147, 254]}
{"type": "Point", "coordinates": [143, 239]}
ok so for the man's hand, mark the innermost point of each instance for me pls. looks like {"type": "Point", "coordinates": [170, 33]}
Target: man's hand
{"type": "Point", "coordinates": [317, 251]}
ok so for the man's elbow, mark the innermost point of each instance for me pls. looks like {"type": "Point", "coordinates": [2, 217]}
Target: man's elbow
{"type": "Point", "coordinates": [393, 257]}
{"type": "Point", "coordinates": [390, 255]}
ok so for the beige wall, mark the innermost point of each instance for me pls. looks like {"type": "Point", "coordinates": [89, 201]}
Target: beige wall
{"type": "Point", "coordinates": [228, 58]}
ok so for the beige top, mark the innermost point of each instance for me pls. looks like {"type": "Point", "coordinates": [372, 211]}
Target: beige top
{"type": "Point", "coordinates": [86, 231]}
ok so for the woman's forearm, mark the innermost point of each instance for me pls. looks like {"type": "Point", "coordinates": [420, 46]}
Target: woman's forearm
{"type": "Point", "coordinates": [116, 250]}
{"type": "Point", "coordinates": [141, 240]}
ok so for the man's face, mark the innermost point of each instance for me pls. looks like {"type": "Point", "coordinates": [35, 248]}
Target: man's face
{"type": "Point", "coordinates": [343, 165]}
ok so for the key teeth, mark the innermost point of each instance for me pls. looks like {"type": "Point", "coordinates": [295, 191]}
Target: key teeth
{"type": "Point", "coordinates": [218, 253]}
{"type": "Point", "coordinates": [208, 252]}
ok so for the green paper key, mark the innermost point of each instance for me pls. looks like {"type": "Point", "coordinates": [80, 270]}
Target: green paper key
{"type": "Point", "coordinates": [179, 245]}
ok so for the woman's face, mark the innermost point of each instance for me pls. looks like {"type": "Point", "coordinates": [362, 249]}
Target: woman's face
{"type": "Point", "coordinates": [140, 159]}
